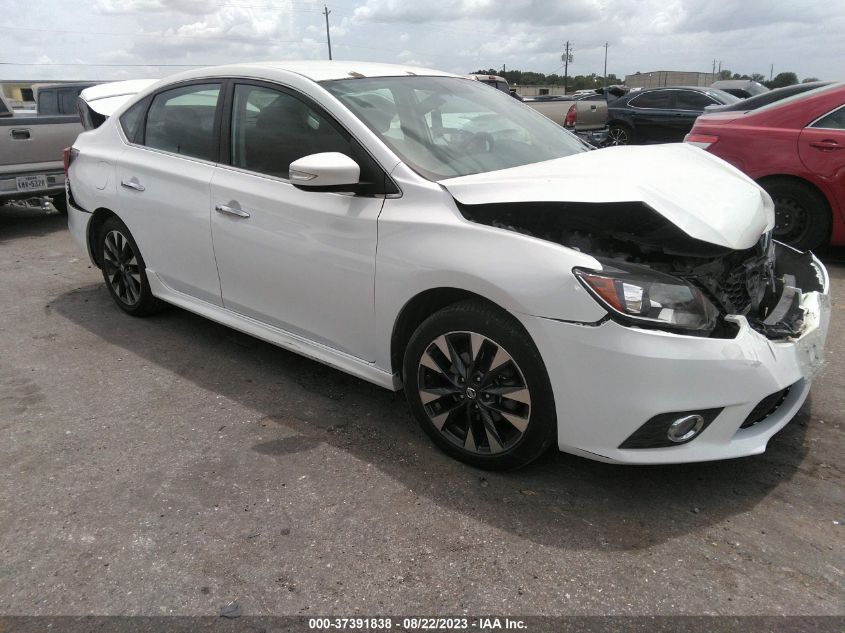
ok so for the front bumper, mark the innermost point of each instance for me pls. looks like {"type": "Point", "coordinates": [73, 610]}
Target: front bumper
{"type": "Point", "coordinates": [609, 379]}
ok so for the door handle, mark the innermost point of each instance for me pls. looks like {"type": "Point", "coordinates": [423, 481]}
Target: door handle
{"type": "Point", "coordinates": [20, 135]}
{"type": "Point", "coordinates": [225, 208]}
{"type": "Point", "coordinates": [132, 184]}
{"type": "Point", "coordinates": [827, 145]}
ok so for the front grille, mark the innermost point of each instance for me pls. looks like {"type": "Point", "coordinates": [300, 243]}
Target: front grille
{"type": "Point", "coordinates": [766, 407]}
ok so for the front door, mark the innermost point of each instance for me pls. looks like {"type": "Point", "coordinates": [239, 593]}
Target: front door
{"type": "Point", "coordinates": [302, 261]}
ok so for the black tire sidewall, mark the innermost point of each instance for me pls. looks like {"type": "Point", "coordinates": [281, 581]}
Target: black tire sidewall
{"type": "Point", "coordinates": [147, 302]}
{"type": "Point", "coordinates": [502, 328]}
{"type": "Point", "coordinates": [813, 203]}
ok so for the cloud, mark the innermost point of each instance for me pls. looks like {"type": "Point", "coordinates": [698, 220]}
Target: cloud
{"type": "Point", "coordinates": [455, 35]}
{"type": "Point", "coordinates": [514, 11]}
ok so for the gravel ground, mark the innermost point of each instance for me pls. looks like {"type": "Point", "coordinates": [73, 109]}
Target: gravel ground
{"type": "Point", "coordinates": [170, 466]}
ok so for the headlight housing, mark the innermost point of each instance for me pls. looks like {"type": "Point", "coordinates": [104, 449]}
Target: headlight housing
{"type": "Point", "coordinates": [635, 295]}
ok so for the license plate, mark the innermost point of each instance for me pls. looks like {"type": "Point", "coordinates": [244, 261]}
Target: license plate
{"type": "Point", "coordinates": [31, 183]}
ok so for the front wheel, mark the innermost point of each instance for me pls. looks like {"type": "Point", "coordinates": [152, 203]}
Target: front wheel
{"type": "Point", "coordinates": [124, 270]}
{"type": "Point", "coordinates": [478, 387]}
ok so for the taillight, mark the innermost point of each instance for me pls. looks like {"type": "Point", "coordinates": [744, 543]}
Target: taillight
{"type": "Point", "coordinates": [700, 140]}
{"type": "Point", "coordinates": [571, 116]}
{"type": "Point", "coordinates": [68, 155]}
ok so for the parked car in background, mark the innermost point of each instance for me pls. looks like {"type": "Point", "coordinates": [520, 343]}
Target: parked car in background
{"type": "Point", "coordinates": [96, 104]}
{"type": "Point", "coordinates": [58, 99]}
{"type": "Point", "coordinates": [524, 292]}
{"type": "Point", "coordinates": [659, 115]}
{"type": "Point", "coordinates": [584, 114]}
{"type": "Point", "coordinates": [752, 103]}
{"type": "Point", "coordinates": [499, 83]}
{"type": "Point", "coordinates": [31, 146]}
{"type": "Point", "coordinates": [795, 150]}
{"type": "Point", "coordinates": [742, 88]}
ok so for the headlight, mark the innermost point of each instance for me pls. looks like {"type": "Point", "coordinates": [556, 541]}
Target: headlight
{"type": "Point", "coordinates": [639, 296]}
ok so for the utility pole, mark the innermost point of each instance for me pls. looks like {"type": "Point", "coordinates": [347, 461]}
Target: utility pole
{"type": "Point", "coordinates": [720, 69]}
{"type": "Point", "coordinates": [604, 81]}
{"type": "Point", "coordinates": [567, 56]}
{"type": "Point", "coordinates": [713, 74]}
{"type": "Point", "coordinates": [328, 37]}
{"type": "Point", "coordinates": [771, 72]}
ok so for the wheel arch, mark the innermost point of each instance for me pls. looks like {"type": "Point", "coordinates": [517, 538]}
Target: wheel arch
{"type": "Point", "coordinates": [418, 309]}
{"type": "Point", "coordinates": [771, 178]}
{"type": "Point", "coordinates": [97, 220]}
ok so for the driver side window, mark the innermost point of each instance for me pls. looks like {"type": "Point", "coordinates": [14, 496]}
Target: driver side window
{"type": "Point", "coordinates": [271, 129]}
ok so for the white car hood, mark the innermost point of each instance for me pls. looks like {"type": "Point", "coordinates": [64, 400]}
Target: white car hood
{"type": "Point", "coordinates": [705, 197]}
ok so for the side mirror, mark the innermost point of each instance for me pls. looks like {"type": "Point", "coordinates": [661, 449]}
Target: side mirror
{"type": "Point", "coordinates": [328, 171]}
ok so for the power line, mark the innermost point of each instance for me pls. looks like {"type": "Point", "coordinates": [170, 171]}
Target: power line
{"type": "Point", "coordinates": [228, 38]}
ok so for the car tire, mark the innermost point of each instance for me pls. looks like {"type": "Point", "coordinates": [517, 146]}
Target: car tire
{"type": "Point", "coordinates": [124, 270]}
{"type": "Point", "coordinates": [479, 388]}
{"type": "Point", "coordinates": [60, 203]}
{"type": "Point", "coordinates": [802, 215]}
{"type": "Point", "coordinates": [619, 134]}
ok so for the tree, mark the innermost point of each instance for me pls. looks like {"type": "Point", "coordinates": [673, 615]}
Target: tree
{"type": "Point", "coordinates": [783, 79]}
{"type": "Point", "coordinates": [758, 77]}
{"type": "Point", "coordinates": [808, 80]}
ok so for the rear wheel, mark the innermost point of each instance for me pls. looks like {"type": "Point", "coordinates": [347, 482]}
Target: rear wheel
{"type": "Point", "coordinates": [478, 387]}
{"type": "Point", "coordinates": [619, 134]}
{"type": "Point", "coordinates": [124, 270]}
{"type": "Point", "coordinates": [802, 216]}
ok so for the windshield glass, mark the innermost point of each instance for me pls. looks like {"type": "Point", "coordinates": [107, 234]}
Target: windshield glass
{"type": "Point", "coordinates": [444, 127]}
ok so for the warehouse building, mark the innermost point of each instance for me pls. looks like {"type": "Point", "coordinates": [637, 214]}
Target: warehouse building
{"type": "Point", "coordinates": [659, 78]}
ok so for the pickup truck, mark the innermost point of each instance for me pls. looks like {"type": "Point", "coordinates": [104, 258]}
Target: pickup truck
{"type": "Point", "coordinates": [31, 150]}
{"type": "Point", "coordinates": [583, 114]}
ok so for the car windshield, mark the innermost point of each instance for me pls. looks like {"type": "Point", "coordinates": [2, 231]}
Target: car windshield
{"type": "Point", "coordinates": [444, 127]}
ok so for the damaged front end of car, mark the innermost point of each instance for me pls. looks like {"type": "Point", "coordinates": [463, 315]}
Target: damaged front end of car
{"type": "Point", "coordinates": [654, 275]}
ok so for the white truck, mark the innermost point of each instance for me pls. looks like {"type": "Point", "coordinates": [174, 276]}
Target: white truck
{"type": "Point", "coordinates": [31, 148]}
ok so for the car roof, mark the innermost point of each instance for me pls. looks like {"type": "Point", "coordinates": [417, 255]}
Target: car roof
{"type": "Point", "coordinates": [320, 70]}
{"type": "Point", "coordinates": [115, 89]}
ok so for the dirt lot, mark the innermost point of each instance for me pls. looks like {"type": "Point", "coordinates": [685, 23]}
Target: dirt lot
{"type": "Point", "coordinates": [170, 465]}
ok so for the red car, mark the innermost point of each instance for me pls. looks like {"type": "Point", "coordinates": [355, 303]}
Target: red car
{"type": "Point", "coordinates": [795, 150]}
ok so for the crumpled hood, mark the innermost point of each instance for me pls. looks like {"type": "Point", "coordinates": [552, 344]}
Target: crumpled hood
{"type": "Point", "coordinates": [705, 197]}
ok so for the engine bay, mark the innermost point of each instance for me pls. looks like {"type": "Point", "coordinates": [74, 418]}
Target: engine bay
{"type": "Point", "coordinates": [764, 283]}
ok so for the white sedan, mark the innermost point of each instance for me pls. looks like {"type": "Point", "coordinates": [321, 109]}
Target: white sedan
{"type": "Point", "coordinates": [424, 232]}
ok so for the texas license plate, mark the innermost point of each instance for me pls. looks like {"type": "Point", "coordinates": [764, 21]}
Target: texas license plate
{"type": "Point", "coordinates": [31, 183]}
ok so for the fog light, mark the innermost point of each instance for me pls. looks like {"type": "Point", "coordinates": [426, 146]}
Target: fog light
{"type": "Point", "coordinates": [685, 428]}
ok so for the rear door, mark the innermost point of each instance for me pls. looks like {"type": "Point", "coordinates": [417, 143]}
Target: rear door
{"type": "Point", "coordinates": [821, 147]}
{"type": "Point", "coordinates": [163, 181]}
{"type": "Point", "coordinates": [689, 104]}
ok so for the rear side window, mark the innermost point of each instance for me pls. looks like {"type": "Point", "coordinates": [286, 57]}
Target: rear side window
{"type": "Point", "coordinates": [690, 100]}
{"type": "Point", "coordinates": [658, 99]}
{"type": "Point", "coordinates": [833, 121]}
{"type": "Point", "coordinates": [181, 121]}
{"type": "Point", "coordinates": [130, 121]}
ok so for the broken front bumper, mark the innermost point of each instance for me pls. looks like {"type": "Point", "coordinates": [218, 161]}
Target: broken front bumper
{"type": "Point", "coordinates": [609, 380]}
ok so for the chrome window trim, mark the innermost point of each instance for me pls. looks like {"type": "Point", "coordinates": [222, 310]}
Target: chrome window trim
{"type": "Point", "coordinates": [824, 116]}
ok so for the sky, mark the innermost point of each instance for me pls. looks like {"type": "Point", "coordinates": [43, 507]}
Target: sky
{"type": "Point", "coordinates": [121, 39]}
